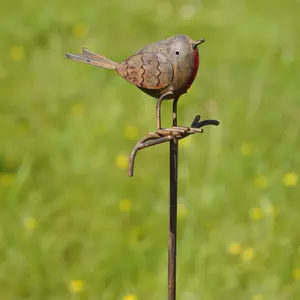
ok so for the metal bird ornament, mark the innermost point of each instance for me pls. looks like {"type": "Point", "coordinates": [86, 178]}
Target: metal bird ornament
{"type": "Point", "coordinates": [164, 70]}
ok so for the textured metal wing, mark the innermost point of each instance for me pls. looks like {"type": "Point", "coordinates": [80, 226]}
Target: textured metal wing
{"type": "Point", "coordinates": [147, 70]}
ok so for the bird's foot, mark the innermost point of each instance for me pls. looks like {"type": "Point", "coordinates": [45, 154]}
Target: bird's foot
{"type": "Point", "coordinates": [183, 131]}
{"type": "Point", "coordinates": [163, 135]}
{"type": "Point", "coordinates": [178, 131]}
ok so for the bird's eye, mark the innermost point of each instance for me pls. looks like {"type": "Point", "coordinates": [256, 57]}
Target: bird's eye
{"type": "Point", "coordinates": [177, 52]}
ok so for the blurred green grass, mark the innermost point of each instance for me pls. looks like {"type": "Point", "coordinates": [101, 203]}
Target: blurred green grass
{"type": "Point", "coordinates": [68, 210]}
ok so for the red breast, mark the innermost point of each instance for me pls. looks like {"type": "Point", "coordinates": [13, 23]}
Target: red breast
{"type": "Point", "coordinates": [195, 68]}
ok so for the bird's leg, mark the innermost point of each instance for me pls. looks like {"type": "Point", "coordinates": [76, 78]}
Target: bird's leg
{"type": "Point", "coordinates": [158, 108]}
{"type": "Point", "coordinates": [175, 111]}
{"type": "Point", "coordinates": [175, 128]}
{"type": "Point", "coordinates": [175, 131]}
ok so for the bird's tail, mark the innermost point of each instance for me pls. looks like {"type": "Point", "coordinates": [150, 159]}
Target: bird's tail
{"type": "Point", "coordinates": [92, 58]}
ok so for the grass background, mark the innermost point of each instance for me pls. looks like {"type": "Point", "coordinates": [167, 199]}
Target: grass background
{"type": "Point", "coordinates": [73, 225]}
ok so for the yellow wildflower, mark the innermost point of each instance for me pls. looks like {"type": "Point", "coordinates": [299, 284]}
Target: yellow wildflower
{"type": "Point", "coordinates": [256, 214]}
{"type": "Point", "coordinates": [125, 205]}
{"type": "Point", "coordinates": [80, 30]}
{"type": "Point", "coordinates": [17, 53]}
{"type": "Point", "coordinates": [261, 182]}
{"type": "Point", "coordinates": [7, 179]}
{"type": "Point", "coordinates": [181, 211]}
{"type": "Point", "coordinates": [290, 179]}
{"type": "Point", "coordinates": [247, 149]}
{"type": "Point", "coordinates": [122, 161]}
{"type": "Point", "coordinates": [248, 254]}
{"type": "Point", "coordinates": [296, 274]}
{"type": "Point", "coordinates": [76, 286]}
{"type": "Point", "coordinates": [130, 297]}
{"type": "Point", "coordinates": [131, 132]}
{"type": "Point", "coordinates": [30, 223]}
{"type": "Point", "coordinates": [234, 248]}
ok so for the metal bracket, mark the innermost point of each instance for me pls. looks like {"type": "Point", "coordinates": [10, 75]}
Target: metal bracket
{"type": "Point", "coordinates": [167, 134]}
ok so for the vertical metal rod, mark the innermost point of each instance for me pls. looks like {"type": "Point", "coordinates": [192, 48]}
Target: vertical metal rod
{"type": "Point", "coordinates": [172, 238]}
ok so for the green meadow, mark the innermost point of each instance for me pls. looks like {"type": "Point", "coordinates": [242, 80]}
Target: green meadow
{"type": "Point", "coordinates": [73, 225]}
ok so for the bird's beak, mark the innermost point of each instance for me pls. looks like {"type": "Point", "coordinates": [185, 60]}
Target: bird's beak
{"type": "Point", "coordinates": [196, 43]}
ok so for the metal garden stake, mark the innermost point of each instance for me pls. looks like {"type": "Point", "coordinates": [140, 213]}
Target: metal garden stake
{"type": "Point", "coordinates": [164, 70]}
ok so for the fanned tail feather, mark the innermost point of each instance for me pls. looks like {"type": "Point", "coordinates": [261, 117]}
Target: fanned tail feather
{"type": "Point", "coordinates": [92, 58]}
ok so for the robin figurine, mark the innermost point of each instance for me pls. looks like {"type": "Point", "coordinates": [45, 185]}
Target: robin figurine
{"type": "Point", "coordinates": [164, 70]}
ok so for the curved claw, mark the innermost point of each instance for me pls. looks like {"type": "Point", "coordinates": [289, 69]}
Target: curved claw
{"type": "Point", "coordinates": [196, 120]}
{"type": "Point", "coordinates": [207, 122]}
{"type": "Point", "coordinates": [197, 124]}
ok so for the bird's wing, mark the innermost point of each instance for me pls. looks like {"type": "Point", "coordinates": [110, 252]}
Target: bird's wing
{"type": "Point", "coordinates": [147, 70]}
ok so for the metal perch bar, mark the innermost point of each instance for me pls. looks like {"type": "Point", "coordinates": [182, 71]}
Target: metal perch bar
{"type": "Point", "coordinates": [165, 135]}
